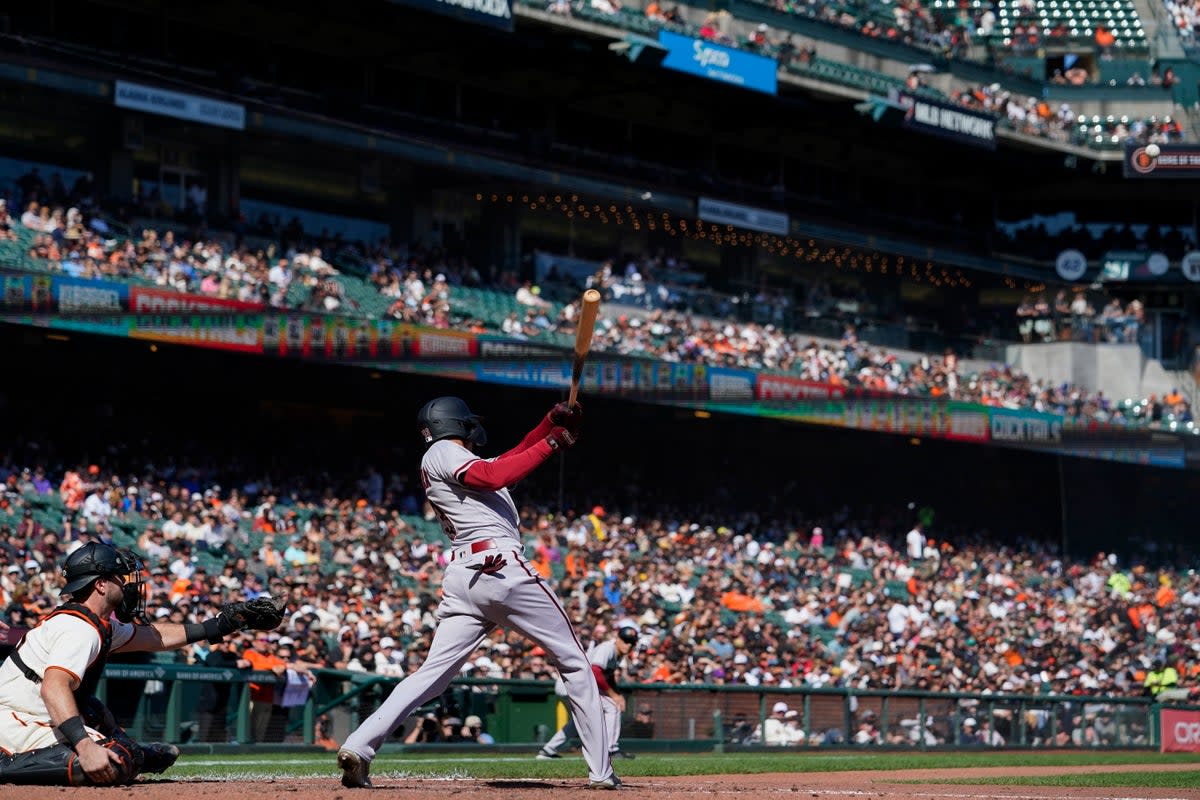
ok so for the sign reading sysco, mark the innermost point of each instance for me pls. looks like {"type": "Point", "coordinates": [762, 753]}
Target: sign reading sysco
{"type": "Point", "coordinates": [718, 63]}
{"type": "Point", "coordinates": [748, 217]}
{"type": "Point", "coordinates": [190, 107]}
{"type": "Point", "coordinates": [1180, 731]}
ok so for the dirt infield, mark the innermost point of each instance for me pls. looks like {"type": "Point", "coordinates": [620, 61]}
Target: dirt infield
{"type": "Point", "coordinates": [872, 785]}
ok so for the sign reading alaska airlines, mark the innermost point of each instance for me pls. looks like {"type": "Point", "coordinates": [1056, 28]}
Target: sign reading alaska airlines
{"type": "Point", "coordinates": [179, 105]}
{"type": "Point", "coordinates": [493, 13]}
{"type": "Point", "coordinates": [718, 63]}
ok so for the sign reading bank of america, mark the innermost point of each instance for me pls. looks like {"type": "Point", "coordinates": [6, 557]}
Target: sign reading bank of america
{"type": "Point", "coordinates": [493, 13]}
{"type": "Point", "coordinates": [949, 121]}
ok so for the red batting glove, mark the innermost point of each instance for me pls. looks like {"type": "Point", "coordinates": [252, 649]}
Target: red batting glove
{"type": "Point", "coordinates": [569, 417]}
{"type": "Point", "coordinates": [560, 438]}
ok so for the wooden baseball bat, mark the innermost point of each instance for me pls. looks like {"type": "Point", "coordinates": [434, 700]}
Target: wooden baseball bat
{"type": "Point", "coordinates": [583, 339]}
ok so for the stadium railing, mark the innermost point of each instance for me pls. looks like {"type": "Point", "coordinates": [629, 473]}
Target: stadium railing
{"type": "Point", "coordinates": [687, 716]}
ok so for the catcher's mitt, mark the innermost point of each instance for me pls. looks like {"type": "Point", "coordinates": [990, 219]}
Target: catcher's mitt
{"type": "Point", "coordinates": [259, 614]}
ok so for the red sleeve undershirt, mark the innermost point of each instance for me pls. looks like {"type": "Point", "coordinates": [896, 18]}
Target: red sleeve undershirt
{"type": "Point", "coordinates": [507, 469]}
{"type": "Point", "coordinates": [601, 681]}
{"type": "Point", "coordinates": [541, 431]}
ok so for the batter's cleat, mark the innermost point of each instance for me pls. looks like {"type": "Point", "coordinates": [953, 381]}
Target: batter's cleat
{"type": "Point", "coordinates": [621, 754]}
{"type": "Point", "coordinates": [354, 770]}
{"type": "Point", "coordinates": [546, 755]}
{"type": "Point", "coordinates": [157, 756]}
{"type": "Point", "coordinates": [608, 783]}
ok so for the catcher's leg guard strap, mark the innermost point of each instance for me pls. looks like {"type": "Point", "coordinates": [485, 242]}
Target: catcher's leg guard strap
{"type": "Point", "coordinates": [47, 766]}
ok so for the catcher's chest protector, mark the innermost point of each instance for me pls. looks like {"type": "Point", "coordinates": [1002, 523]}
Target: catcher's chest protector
{"type": "Point", "coordinates": [91, 677]}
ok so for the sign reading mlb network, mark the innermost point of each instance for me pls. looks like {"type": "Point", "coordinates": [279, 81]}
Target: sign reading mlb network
{"type": "Point", "coordinates": [748, 217]}
{"type": "Point", "coordinates": [951, 122]}
{"type": "Point", "coordinates": [190, 107]}
{"type": "Point", "coordinates": [493, 13]}
{"type": "Point", "coordinates": [718, 63]}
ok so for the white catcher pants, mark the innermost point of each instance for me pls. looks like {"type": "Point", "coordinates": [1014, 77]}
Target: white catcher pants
{"type": "Point", "coordinates": [472, 605]}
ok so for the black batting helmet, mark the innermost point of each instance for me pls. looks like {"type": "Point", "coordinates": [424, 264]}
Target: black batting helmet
{"type": "Point", "coordinates": [450, 418]}
{"type": "Point", "coordinates": [95, 560]}
{"type": "Point", "coordinates": [628, 635]}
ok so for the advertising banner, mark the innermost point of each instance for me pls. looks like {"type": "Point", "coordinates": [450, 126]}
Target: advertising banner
{"type": "Point", "coordinates": [739, 216]}
{"type": "Point", "coordinates": [1178, 161]}
{"type": "Point", "coordinates": [492, 13]}
{"type": "Point", "coordinates": [1020, 427]}
{"type": "Point", "coordinates": [651, 380]}
{"type": "Point", "coordinates": [190, 107]}
{"type": "Point", "coordinates": [74, 295]}
{"type": "Point", "coordinates": [730, 385]}
{"type": "Point", "coordinates": [501, 347]}
{"type": "Point", "coordinates": [718, 63]}
{"type": "Point", "coordinates": [436, 343]}
{"type": "Point", "coordinates": [785, 388]}
{"type": "Point", "coordinates": [143, 300]}
{"type": "Point", "coordinates": [1133, 265]}
{"type": "Point", "coordinates": [239, 332]}
{"type": "Point", "coordinates": [103, 324]}
{"type": "Point", "coordinates": [1179, 731]}
{"type": "Point", "coordinates": [949, 121]}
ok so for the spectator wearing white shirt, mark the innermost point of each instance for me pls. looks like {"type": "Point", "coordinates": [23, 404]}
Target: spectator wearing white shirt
{"type": "Point", "coordinates": [96, 507]}
{"type": "Point", "coordinates": [281, 274]}
{"type": "Point", "coordinates": [915, 543]}
{"type": "Point", "coordinates": [527, 295]}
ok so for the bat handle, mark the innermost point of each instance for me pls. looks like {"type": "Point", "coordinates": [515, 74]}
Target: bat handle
{"type": "Point", "coordinates": [571, 397]}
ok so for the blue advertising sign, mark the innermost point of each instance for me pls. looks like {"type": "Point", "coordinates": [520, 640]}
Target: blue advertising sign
{"type": "Point", "coordinates": [81, 295]}
{"type": "Point", "coordinates": [493, 13]}
{"type": "Point", "coordinates": [718, 63]}
{"type": "Point", "coordinates": [730, 385]}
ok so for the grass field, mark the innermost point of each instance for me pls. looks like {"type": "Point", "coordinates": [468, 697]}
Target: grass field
{"type": "Point", "coordinates": [507, 765]}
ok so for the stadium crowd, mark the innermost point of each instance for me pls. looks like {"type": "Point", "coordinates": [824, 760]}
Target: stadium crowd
{"type": "Point", "coordinates": [1035, 116]}
{"type": "Point", "coordinates": [1075, 318]}
{"type": "Point", "coordinates": [271, 276]}
{"type": "Point", "coordinates": [1186, 16]}
{"type": "Point", "coordinates": [817, 599]}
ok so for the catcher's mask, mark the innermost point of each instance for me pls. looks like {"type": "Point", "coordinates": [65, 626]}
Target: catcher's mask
{"type": "Point", "coordinates": [96, 560]}
{"type": "Point", "coordinates": [450, 418]}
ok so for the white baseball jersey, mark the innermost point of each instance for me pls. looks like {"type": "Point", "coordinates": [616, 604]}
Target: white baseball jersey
{"type": "Point", "coordinates": [604, 655]}
{"type": "Point", "coordinates": [510, 594]}
{"type": "Point", "coordinates": [467, 515]}
{"type": "Point", "coordinates": [65, 642]}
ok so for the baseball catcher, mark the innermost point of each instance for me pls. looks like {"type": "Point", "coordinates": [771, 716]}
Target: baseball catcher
{"type": "Point", "coordinates": [53, 730]}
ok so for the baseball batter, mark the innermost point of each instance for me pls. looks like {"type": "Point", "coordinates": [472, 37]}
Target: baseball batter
{"type": "Point", "coordinates": [488, 582]}
{"type": "Point", "coordinates": [53, 731]}
{"type": "Point", "coordinates": [606, 658]}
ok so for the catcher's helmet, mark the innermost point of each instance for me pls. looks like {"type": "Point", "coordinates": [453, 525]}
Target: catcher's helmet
{"type": "Point", "coordinates": [95, 560]}
{"type": "Point", "coordinates": [450, 418]}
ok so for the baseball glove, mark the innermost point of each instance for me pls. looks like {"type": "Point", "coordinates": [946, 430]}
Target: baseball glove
{"type": "Point", "coordinates": [259, 614]}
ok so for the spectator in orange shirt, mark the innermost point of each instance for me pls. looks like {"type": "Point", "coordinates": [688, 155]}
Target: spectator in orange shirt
{"type": "Point", "coordinates": [262, 695]}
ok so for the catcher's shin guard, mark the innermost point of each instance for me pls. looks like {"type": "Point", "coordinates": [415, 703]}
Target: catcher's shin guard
{"type": "Point", "coordinates": [47, 766]}
{"type": "Point", "coordinates": [59, 766]}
